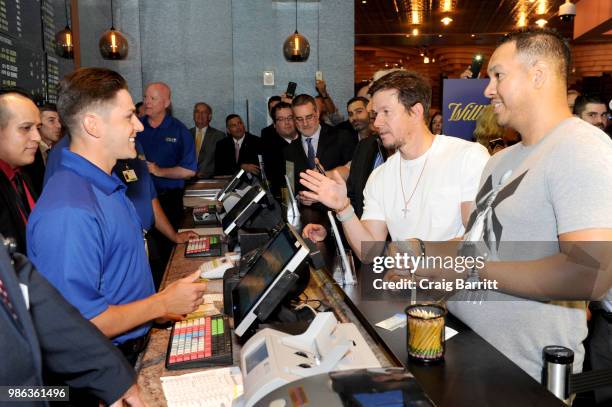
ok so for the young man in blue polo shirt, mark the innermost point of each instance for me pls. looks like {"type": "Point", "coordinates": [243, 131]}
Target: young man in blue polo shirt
{"type": "Point", "coordinates": [85, 235]}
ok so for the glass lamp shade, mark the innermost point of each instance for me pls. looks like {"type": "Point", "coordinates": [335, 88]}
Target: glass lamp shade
{"type": "Point", "coordinates": [296, 48]}
{"type": "Point", "coordinates": [113, 45]}
{"type": "Point", "coordinates": [64, 47]}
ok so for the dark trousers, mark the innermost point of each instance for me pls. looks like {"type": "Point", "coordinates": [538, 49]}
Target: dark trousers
{"type": "Point", "coordinates": [599, 347]}
{"type": "Point", "coordinates": [160, 247]}
{"type": "Point", "coordinates": [171, 202]}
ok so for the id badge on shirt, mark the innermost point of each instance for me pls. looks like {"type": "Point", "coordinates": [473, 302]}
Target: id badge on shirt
{"type": "Point", "coordinates": [130, 175]}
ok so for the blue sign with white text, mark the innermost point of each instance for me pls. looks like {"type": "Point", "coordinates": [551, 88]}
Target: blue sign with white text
{"type": "Point", "coordinates": [462, 102]}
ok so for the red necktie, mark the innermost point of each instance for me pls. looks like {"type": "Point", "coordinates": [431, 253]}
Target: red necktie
{"type": "Point", "coordinates": [5, 299]}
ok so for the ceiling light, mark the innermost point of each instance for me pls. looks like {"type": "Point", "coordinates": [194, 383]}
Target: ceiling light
{"type": "Point", "coordinates": [433, 60]}
{"type": "Point", "coordinates": [542, 7]}
{"type": "Point", "coordinates": [541, 23]}
{"type": "Point", "coordinates": [64, 46]}
{"type": "Point", "coordinates": [426, 59]}
{"type": "Point", "coordinates": [447, 6]}
{"type": "Point", "coordinates": [473, 35]}
{"type": "Point", "coordinates": [296, 47]}
{"type": "Point", "coordinates": [446, 20]}
{"type": "Point", "coordinates": [363, 1]}
{"type": "Point", "coordinates": [415, 31]}
{"type": "Point", "coordinates": [439, 35]}
{"type": "Point", "coordinates": [407, 35]}
{"type": "Point", "coordinates": [113, 44]}
{"type": "Point", "coordinates": [522, 19]}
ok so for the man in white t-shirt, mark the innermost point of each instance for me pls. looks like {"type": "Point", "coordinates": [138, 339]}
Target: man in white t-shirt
{"type": "Point", "coordinates": [423, 191]}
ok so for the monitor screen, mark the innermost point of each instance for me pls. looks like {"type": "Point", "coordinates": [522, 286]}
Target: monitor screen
{"type": "Point", "coordinates": [240, 206]}
{"type": "Point", "coordinates": [236, 180]}
{"type": "Point", "coordinates": [264, 271]}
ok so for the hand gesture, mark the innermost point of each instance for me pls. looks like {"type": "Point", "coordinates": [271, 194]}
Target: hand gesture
{"type": "Point", "coordinates": [182, 237]}
{"type": "Point", "coordinates": [153, 168]}
{"type": "Point", "coordinates": [252, 168]}
{"type": "Point", "coordinates": [331, 192]}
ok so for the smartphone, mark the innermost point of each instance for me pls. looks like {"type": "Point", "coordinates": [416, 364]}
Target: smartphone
{"type": "Point", "coordinates": [477, 62]}
{"type": "Point", "coordinates": [291, 90]}
{"type": "Point", "coordinates": [319, 75]}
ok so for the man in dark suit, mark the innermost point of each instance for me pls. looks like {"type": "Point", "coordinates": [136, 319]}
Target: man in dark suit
{"type": "Point", "coordinates": [270, 130]}
{"type": "Point", "coordinates": [50, 133]}
{"type": "Point", "coordinates": [40, 329]}
{"type": "Point", "coordinates": [369, 153]}
{"type": "Point", "coordinates": [205, 138]}
{"type": "Point", "coordinates": [332, 147]}
{"type": "Point", "coordinates": [241, 150]}
{"type": "Point", "coordinates": [19, 138]}
{"type": "Point", "coordinates": [274, 145]}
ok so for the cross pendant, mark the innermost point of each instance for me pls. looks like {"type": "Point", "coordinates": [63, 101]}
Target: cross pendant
{"type": "Point", "coordinates": [405, 211]}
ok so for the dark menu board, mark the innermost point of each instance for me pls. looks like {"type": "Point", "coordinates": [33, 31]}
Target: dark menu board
{"type": "Point", "coordinates": [27, 46]}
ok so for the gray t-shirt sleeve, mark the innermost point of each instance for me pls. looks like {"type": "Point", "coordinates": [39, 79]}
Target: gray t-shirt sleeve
{"type": "Point", "coordinates": [579, 182]}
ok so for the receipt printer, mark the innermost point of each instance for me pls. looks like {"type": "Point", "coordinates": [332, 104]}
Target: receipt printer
{"type": "Point", "coordinates": [271, 359]}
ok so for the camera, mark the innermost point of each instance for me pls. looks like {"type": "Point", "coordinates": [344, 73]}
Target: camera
{"type": "Point", "coordinates": [567, 11]}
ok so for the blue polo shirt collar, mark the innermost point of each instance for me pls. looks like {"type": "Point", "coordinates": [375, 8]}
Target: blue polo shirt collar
{"type": "Point", "coordinates": [165, 124]}
{"type": "Point", "coordinates": [80, 165]}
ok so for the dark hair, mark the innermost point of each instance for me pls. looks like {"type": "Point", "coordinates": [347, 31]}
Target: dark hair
{"type": "Point", "coordinates": [230, 117]}
{"type": "Point", "coordinates": [203, 104]}
{"type": "Point", "coordinates": [137, 105]}
{"type": "Point", "coordinates": [279, 106]}
{"type": "Point", "coordinates": [84, 88]}
{"type": "Point", "coordinates": [412, 88]}
{"type": "Point", "coordinates": [303, 99]}
{"type": "Point", "coordinates": [273, 99]}
{"type": "Point", "coordinates": [536, 42]}
{"type": "Point", "coordinates": [433, 116]}
{"type": "Point", "coordinates": [583, 100]}
{"type": "Point", "coordinates": [357, 99]}
{"type": "Point", "coordinates": [5, 114]}
{"type": "Point", "coordinates": [48, 107]}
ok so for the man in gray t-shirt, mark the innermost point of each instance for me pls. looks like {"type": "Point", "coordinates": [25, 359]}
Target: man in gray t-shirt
{"type": "Point", "coordinates": [559, 185]}
{"type": "Point", "coordinates": [553, 188]}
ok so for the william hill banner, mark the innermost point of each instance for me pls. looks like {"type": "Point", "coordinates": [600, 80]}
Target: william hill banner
{"type": "Point", "coordinates": [462, 102]}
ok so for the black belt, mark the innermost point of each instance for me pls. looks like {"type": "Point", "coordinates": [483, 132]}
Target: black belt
{"type": "Point", "coordinates": [134, 346]}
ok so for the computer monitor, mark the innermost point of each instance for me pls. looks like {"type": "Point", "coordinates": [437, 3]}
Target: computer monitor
{"type": "Point", "coordinates": [240, 178]}
{"type": "Point", "coordinates": [262, 284]}
{"type": "Point", "coordinates": [242, 211]}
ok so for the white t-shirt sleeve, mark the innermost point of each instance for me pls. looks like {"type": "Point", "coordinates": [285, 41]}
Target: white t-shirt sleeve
{"type": "Point", "coordinates": [373, 208]}
{"type": "Point", "coordinates": [474, 161]}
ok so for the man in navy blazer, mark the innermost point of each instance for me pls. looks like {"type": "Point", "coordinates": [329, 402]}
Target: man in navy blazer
{"type": "Point", "coordinates": [241, 150]}
{"type": "Point", "coordinates": [333, 147]}
{"type": "Point", "coordinates": [205, 138]}
{"type": "Point", "coordinates": [39, 332]}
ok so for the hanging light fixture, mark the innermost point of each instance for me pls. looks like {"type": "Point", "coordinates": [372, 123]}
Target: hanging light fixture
{"type": "Point", "coordinates": [447, 6]}
{"type": "Point", "coordinates": [113, 44]}
{"type": "Point", "coordinates": [64, 45]}
{"type": "Point", "coordinates": [446, 20]}
{"type": "Point", "coordinates": [296, 47]}
{"type": "Point", "coordinates": [541, 22]}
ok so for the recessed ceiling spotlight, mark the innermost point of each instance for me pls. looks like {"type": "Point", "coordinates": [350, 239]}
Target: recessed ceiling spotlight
{"type": "Point", "coordinates": [363, 1]}
{"type": "Point", "coordinates": [439, 35]}
{"type": "Point", "coordinates": [473, 35]}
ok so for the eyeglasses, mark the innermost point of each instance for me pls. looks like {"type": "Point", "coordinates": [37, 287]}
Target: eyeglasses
{"type": "Point", "coordinates": [284, 119]}
{"type": "Point", "coordinates": [303, 120]}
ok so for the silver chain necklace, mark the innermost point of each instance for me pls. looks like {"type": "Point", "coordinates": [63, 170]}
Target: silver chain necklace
{"type": "Point", "coordinates": [406, 202]}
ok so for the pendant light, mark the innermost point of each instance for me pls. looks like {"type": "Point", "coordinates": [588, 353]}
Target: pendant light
{"type": "Point", "coordinates": [64, 45]}
{"type": "Point", "coordinates": [113, 44]}
{"type": "Point", "coordinates": [296, 47]}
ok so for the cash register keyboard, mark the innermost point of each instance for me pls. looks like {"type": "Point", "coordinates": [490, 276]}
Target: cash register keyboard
{"type": "Point", "coordinates": [204, 246]}
{"type": "Point", "coordinates": [200, 342]}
